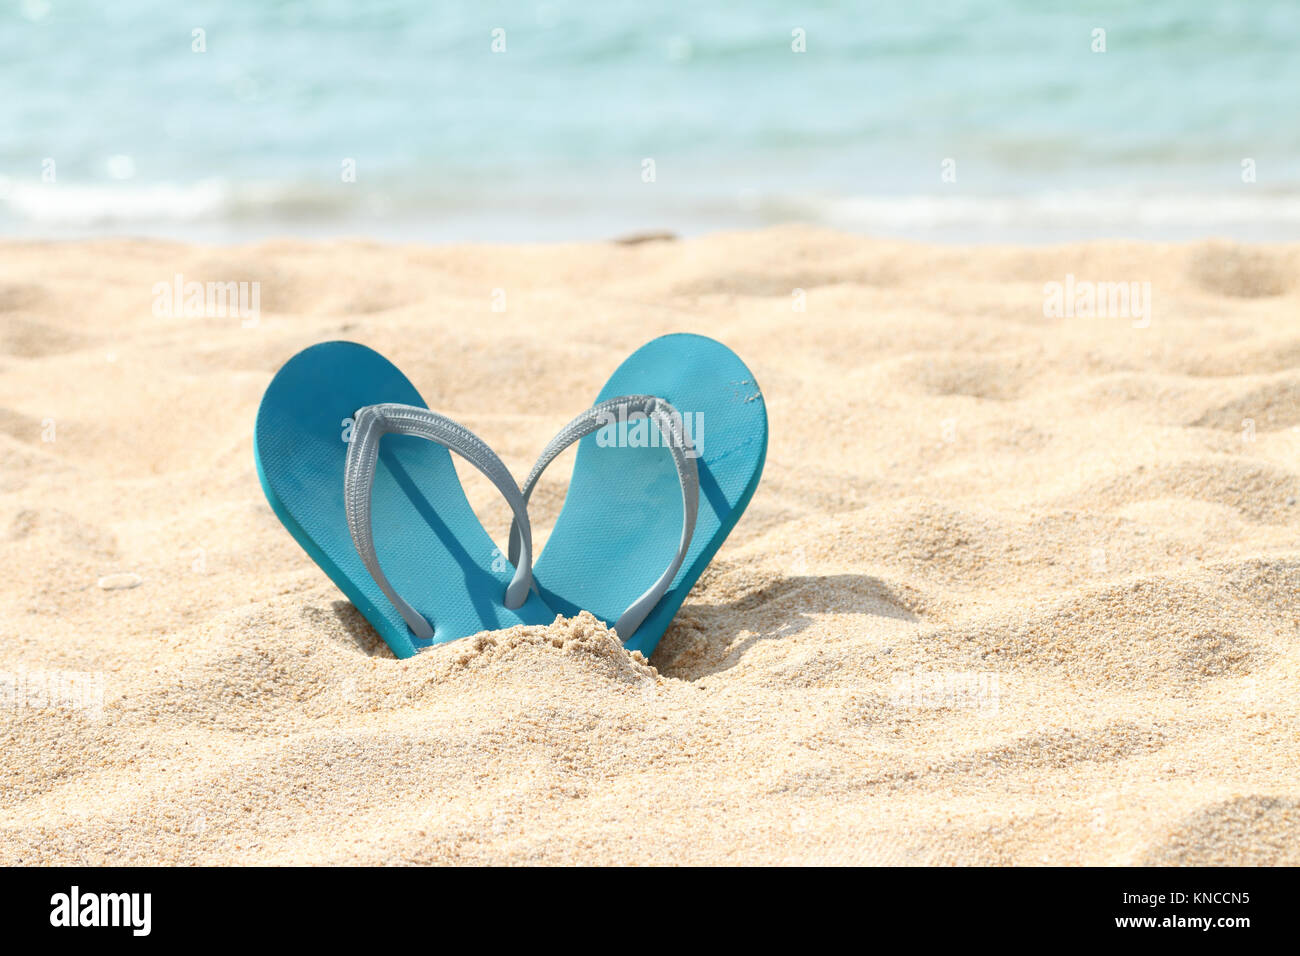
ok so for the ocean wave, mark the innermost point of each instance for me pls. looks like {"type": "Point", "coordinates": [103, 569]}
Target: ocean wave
{"type": "Point", "coordinates": [483, 210]}
{"type": "Point", "coordinates": [1085, 211]}
{"type": "Point", "coordinates": [96, 205]}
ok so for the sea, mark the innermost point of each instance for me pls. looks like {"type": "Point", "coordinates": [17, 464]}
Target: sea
{"type": "Point", "coordinates": [963, 121]}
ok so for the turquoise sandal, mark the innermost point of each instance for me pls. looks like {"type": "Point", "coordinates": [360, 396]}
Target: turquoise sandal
{"type": "Point", "coordinates": [667, 460]}
{"type": "Point", "coordinates": [390, 524]}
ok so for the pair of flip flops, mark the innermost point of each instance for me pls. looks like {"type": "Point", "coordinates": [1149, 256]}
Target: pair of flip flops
{"type": "Point", "coordinates": [359, 470]}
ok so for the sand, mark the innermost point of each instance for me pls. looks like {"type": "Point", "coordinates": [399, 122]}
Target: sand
{"type": "Point", "coordinates": [1014, 589]}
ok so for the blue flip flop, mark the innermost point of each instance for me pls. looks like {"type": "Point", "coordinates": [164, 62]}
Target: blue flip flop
{"type": "Point", "coordinates": [389, 522]}
{"type": "Point", "coordinates": [667, 460]}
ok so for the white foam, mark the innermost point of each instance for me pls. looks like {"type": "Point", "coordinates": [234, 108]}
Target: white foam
{"type": "Point", "coordinates": [1083, 213]}
{"type": "Point", "coordinates": [60, 204]}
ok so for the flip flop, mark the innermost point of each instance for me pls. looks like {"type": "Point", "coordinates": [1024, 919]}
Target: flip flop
{"type": "Point", "coordinates": [667, 460]}
{"type": "Point", "coordinates": [389, 524]}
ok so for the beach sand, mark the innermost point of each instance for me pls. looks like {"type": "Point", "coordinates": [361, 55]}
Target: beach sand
{"type": "Point", "coordinates": [1014, 588]}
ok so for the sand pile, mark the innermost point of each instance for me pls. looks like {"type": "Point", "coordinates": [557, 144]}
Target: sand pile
{"type": "Point", "coordinates": [1015, 588]}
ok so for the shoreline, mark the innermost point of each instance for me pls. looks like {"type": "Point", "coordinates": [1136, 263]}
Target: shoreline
{"type": "Point", "coordinates": [225, 213]}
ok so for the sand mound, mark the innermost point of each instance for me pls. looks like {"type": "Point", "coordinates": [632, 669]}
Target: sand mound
{"type": "Point", "coordinates": [993, 377]}
{"type": "Point", "coordinates": [1263, 408]}
{"type": "Point", "coordinates": [1163, 634]}
{"type": "Point", "coordinates": [1264, 831]}
{"type": "Point", "coordinates": [1239, 271]}
{"type": "Point", "coordinates": [24, 337]}
{"type": "Point", "coordinates": [1258, 491]}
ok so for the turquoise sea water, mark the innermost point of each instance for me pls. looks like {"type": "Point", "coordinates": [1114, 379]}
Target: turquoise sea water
{"type": "Point", "coordinates": [110, 121]}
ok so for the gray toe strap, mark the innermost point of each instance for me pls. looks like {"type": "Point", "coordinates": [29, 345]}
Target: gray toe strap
{"type": "Point", "coordinates": [372, 423]}
{"type": "Point", "coordinates": [670, 425]}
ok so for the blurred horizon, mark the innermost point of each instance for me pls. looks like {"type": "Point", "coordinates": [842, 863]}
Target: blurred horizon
{"type": "Point", "coordinates": [961, 122]}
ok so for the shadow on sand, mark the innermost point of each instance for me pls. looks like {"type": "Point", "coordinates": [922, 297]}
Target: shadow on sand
{"type": "Point", "coordinates": [708, 638]}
